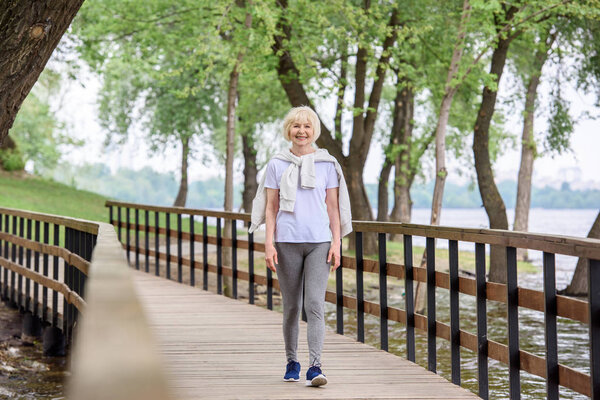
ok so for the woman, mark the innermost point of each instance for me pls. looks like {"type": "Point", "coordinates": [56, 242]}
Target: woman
{"type": "Point", "coordinates": [303, 200]}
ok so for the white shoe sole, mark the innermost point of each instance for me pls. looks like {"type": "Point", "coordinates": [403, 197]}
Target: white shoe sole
{"type": "Point", "coordinates": [318, 380]}
{"type": "Point", "coordinates": [291, 380]}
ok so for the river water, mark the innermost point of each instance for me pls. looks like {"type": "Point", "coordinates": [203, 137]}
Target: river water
{"type": "Point", "coordinates": [24, 371]}
{"type": "Point", "coordinates": [573, 337]}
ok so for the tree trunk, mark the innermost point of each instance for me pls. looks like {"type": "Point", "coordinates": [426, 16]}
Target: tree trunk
{"type": "Point", "coordinates": [492, 201]}
{"type": "Point", "coordinates": [232, 96]}
{"type": "Point", "coordinates": [528, 146]}
{"type": "Point", "coordinates": [382, 190]}
{"type": "Point", "coordinates": [359, 203]}
{"type": "Point", "coordinates": [8, 144]}
{"type": "Point", "coordinates": [397, 152]}
{"type": "Point", "coordinates": [230, 147]}
{"type": "Point", "coordinates": [250, 171]}
{"type": "Point", "coordinates": [440, 140]}
{"type": "Point", "coordinates": [29, 32]}
{"type": "Point", "coordinates": [579, 282]}
{"type": "Point", "coordinates": [404, 172]}
{"type": "Point", "coordinates": [181, 198]}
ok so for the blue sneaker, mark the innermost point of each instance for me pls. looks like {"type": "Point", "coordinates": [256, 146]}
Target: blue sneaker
{"type": "Point", "coordinates": [292, 372]}
{"type": "Point", "coordinates": [315, 377]}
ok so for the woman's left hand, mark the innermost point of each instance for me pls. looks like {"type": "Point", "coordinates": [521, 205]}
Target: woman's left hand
{"type": "Point", "coordinates": [334, 256]}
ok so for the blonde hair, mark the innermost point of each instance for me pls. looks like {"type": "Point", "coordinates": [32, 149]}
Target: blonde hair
{"type": "Point", "coordinates": [301, 114]}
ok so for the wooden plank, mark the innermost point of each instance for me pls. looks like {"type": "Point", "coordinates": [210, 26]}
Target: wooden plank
{"type": "Point", "coordinates": [215, 347]}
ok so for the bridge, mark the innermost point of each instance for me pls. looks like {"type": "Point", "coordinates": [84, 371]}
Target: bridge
{"type": "Point", "coordinates": [140, 300]}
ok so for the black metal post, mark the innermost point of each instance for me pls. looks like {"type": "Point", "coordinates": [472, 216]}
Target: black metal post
{"type": "Point", "coordinates": [270, 290]}
{"type": "Point", "coordinates": [127, 234]}
{"type": "Point", "coordinates": [137, 239]}
{"type": "Point", "coordinates": [147, 241]}
{"type": "Point", "coordinates": [156, 244]}
{"type": "Point", "coordinates": [551, 337]}
{"type": "Point", "coordinates": [594, 321]}
{"type": "Point", "coordinates": [482, 342]}
{"type": "Point", "coordinates": [28, 266]}
{"type": "Point", "coordinates": [45, 265]}
{"type": "Point", "coordinates": [454, 312]}
{"type": "Point", "coordinates": [360, 294]}
{"type": "Point", "coordinates": [512, 297]}
{"type": "Point", "coordinates": [13, 294]}
{"type": "Point", "coordinates": [250, 266]}
{"type": "Point", "coordinates": [192, 252]}
{"type": "Point", "coordinates": [234, 271]}
{"type": "Point", "coordinates": [339, 296]}
{"type": "Point", "coordinates": [431, 327]}
{"type": "Point", "coordinates": [110, 215]}
{"type": "Point", "coordinates": [204, 252]}
{"type": "Point", "coordinates": [179, 249]}
{"type": "Point", "coordinates": [119, 224]}
{"type": "Point", "coordinates": [408, 298]}
{"type": "Point", "coordinates": [66, 279]}
{"type": "Point", "coordinates": [76, 273]}
{"type": "Point", "coordinates": [219, 258]}
{"type": "Point", "coordinates": [55, 273]}
{"type": "Point", "coordinates": [383, 313]}
{"type": "Point", "coordinates": [20, 296]}
{"type": "Point", "coordinates": [168, 243]}
{"type": "Point", "coordinates": [36, 267]}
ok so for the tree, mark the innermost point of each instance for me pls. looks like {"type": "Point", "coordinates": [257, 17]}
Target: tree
{"type": "Point", "coordinates": [373, 30]}
{"type": "Point", "coordinates": [579, 281]}
{"type": "Point", "coordinates": [37, 136]}
{"type": "Point", "coordinates": [510, 21]}
{"type": "Point", "coordinates": [158, 70]}
{"type": "Point", "coordinates": [29, 32]}
{"type": "Point", "coordinates": [529, 151]}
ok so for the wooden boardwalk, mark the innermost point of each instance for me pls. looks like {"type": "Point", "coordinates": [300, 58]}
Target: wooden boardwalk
{"type": "Point", "coordinates": [218, 348]}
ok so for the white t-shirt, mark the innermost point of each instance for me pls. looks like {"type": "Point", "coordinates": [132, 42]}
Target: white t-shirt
{"type": "Point", "coordinates": [309, 223]}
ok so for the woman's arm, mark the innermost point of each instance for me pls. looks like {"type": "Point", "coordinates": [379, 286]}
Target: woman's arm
{"type": "Point", "coordinates": [333, 211]}
{"type": "Point", "coordinates": [270, 217]}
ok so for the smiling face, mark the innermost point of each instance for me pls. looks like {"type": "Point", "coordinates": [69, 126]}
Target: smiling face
{"type": "Point", "coordinates": [301, 126]}
{"type": "Point", "coordinates": [301, 132]}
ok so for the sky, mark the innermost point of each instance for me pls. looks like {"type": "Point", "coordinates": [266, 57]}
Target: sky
{"type": "Point", "coordinates": [580, 167]}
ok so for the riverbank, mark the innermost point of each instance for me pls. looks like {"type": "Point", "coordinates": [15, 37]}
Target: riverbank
{"type": "Point", "coordinates": [24, 371]}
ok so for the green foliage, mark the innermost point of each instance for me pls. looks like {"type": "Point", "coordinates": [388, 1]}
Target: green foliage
{"type": "Point", "coordinates": [38, 134]}
{"type": "Point", "coordinates": [11, 160]}
{"type": "Point", "coordinates": [560, 129]}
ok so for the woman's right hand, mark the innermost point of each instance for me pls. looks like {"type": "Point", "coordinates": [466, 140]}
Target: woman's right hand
{"type": "Point", "coordinates": [271, 257]}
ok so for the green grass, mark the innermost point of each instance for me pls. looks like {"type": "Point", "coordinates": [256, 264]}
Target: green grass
{"type": "Point", "coordinates": [28, 192]}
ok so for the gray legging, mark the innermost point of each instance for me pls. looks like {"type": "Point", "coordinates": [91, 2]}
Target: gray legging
{"type": "Point", "coordinates": [303, 263]}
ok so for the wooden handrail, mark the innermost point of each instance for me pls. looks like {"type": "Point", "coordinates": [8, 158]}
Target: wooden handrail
{"type": "Point", "coordinates": [75, 223]}
{"type": "Point", "coordinates": [567, 245]}
{"type": "Point", "coordinates": [115, 356]}
{"type": "Point", "coordinates": [182, 210]}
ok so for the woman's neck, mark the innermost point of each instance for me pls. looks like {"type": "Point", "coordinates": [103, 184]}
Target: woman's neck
{"type": "Point", "coordinates": [302, 150]}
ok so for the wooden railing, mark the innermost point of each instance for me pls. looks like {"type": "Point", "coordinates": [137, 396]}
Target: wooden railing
{"type": "Point", "coordinates": [87, 296]}
{"type": "Point", "coordinates": [546, 301]}
{"type": "Point", "coordinates": [48, 251]}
